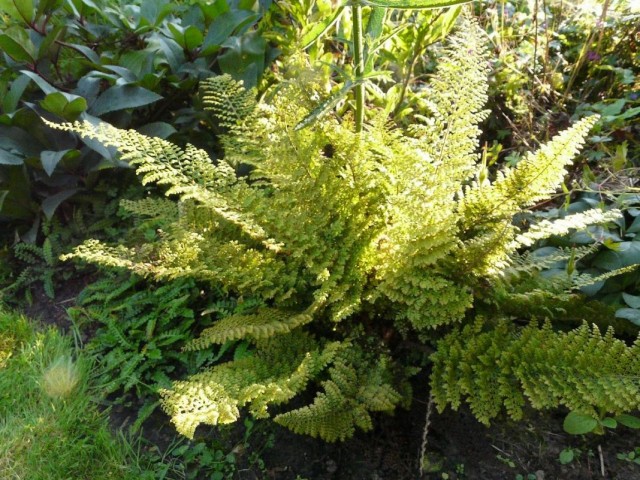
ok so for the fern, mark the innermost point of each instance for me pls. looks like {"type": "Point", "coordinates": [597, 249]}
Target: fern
{"type": "Point", "coordinates": [338, 233]}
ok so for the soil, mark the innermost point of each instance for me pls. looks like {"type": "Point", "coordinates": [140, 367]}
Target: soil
{"type": "Point", "coordinates": [457, 446]}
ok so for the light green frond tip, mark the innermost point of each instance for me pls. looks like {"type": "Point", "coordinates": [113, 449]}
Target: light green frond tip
{"type": "Point", "coordinates": [562, 226]}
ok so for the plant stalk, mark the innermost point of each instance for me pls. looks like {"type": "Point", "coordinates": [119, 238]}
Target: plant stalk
{"type": "Point", "coordinates": [358, 61]}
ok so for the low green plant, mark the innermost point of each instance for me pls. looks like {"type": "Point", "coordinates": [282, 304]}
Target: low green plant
{"type": "Point", "coordinates": [632, 456]}
{"type": "Point", "coordinates": [352, 234]}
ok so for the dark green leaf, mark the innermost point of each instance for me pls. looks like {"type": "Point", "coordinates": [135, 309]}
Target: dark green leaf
{"type": "Point", "coordinates": [8, 158]}
{"type": "Point", "coordinates": [578, 423]}
{"type": "Point", "coordinates": [11, 99]}
{"type": "Point", "coordinates": [86, 51]}
{"type": "Point", "coordinates": [16, 51]}
{"type": "Point", "coordinates": [3, 195]}
{"type": "Point", "coordinates": [50, 159]}
{"type": "Point", "coordinates": [624, 255]}
{"type": "Point", "coordinates": [631, 314]}
{"type": "Point", "coordinates": [244, 59]}
{"type": "Point", "coordinates": [226, 24]}
{"type": "Point", "coordinates": [43, 84]}
{"type": "Point", "coordinates": [157, 129]}
{"type": "Point", "coordinates": [632, 300]}
{"type": "Point", "coordinates": [50, 204]}
{"type": "Point", "coordinates": [120, 97]}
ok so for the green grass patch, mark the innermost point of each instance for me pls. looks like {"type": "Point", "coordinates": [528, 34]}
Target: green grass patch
{"type": "Point", "coordinates": [49, 425]}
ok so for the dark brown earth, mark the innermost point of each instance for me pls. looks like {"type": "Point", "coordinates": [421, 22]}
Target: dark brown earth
{"type": "Point", "coordinates": [458, 447]}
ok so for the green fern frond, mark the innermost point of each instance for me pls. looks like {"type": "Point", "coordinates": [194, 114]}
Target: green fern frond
{"type": "Point", "coordinates": [228, 100]}
{"type": "Point", "coordinates": [264, 323]}
{"type": "Point", "coordinates": [506, 366]}
{"type": "Point", "coordinates": [562, 226]}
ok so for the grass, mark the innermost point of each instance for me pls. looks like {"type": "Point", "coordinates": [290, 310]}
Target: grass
{"type": "Point", "coordinates": [49, 425]}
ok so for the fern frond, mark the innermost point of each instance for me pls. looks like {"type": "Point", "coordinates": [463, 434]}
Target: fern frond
{"type": "Point", "coordinates": [264, 323]}
{"type": "Point", "coordinates": [562, 226]}
{"type": "Point", "coordinates": [228, 100]}
{"type": "Point", "coordinates": [505, 366]}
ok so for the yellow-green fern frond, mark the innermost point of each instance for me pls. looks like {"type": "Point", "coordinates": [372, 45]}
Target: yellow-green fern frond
{"type": "Point", "coordinates": [504, 367]}
{"type": "Point", "coordinates": [279, 369]}
{"type": "Point", "coordinates": [356, 387]}
{"type": "Point", "coordinates": [562, 226]}
{"type": "Point", "coordinates": [228, 100]}
{"type": "Point", "coordinates": [486, 210]}
{"type": "Point", "coordinates": [264, 323]}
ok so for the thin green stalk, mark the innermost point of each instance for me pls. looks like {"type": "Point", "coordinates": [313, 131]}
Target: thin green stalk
{"type": "Point", "coordinates": [358, 60]}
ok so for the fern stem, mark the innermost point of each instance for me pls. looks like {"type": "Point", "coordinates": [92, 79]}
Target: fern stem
{"type": "Point", "coordinates": [358, 60]}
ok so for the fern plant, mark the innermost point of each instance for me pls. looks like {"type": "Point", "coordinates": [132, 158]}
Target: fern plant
{"type": "Point", "coordinates": [348, 240]}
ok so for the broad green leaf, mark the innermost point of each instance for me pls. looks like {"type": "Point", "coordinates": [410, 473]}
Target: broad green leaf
{"type": "Point", "coordinates": [177, 33]}
{"type": "Point", "coordinates": [16, 51]}
{"type": "Point", "coordinates": [47, 6]}
{"type": "Point", "coordinates": [225, 25]}
{"type": "Point", "coordinates": [51, 204]}
{"type": "Point", "coordinates": [625, 254]}
{"type": "Point", "coordinates": [244, 58]}
{"type": "Point", "coordinates": [320, 28]}
{"type": "Point", "coordinates": [632, 300]}
{"type": "Point", "coordinates": [609, 422]}
{"type": "Point", "coordinates": [214, 9]}
{"type": "Point", "coordinates": [376, 23]}
{"type": "Point", "coordinates": [631, 314]}
{"type": "Point", "coordinates": [9, 7]}
{"type": "Point", "coordinates": [157, 129]}
{"type": "Point", "coordinates": [628, 420]}
{"type": "Point", "coordinates": [54, 103]}
{"type": "Point", "coordinates": [11, 99]}
{"type": "Point", "coordinates": [26, 10]}
{"type": "Point", "coordinates": [43, 84]}
{"type": "Point", "coordinates": [635, 226]}
{"type": "Point", "coordinates": [74, 108]}
{"type": "Point", "coordinates": [120, 97]}
{"type": "Point", "coordinates": [50, 160]}
{"type": "Point", "coordinates": [412, 4]}
{"type": "Point", "coordinates": [8, 158]}
{"type": "Point", "coordinates": [578, 423]}
{"type": "Point", "coordinates": [86, 51]}
{"type": "Point", "coordinates": [193, 37]}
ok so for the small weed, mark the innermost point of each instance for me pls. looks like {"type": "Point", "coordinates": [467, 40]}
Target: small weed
{"type": "Point", "coordinates": [632, 456]}
{"type": "Point", "coordinates": [568, 455]}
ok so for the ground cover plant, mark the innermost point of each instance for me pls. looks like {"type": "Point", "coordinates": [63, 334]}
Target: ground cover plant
{"type": "Point", "coordinates": [321, 251]}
